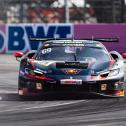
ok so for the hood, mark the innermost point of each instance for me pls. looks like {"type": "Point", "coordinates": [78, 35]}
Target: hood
{"type": "Point", "coordinates": [82, 68]}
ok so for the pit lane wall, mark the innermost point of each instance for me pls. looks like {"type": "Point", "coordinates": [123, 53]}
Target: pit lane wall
{"type": "Point", "coordinates": [16, 37]}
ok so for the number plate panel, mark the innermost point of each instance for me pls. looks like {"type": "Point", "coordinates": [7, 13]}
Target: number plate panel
{"type": "Point", "coordinates": [71, 81]}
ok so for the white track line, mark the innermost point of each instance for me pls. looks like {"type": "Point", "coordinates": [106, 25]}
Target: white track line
{"type": "Point", "coordinates": [7, 92]}
{"type": "Point", "coordinates": [42, 107]}
{"type": "Point", "coordinates": [108, 124]}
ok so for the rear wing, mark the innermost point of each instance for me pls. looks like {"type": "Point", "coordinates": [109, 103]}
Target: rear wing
{"type": "Point", "coordinates": [40, 39]}
{"type": "Point", "coordinates": [105, 39]}
{"type": "Point", "coordinates": [116, 39]}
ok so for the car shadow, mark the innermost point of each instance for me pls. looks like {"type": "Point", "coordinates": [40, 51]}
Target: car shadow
{"type": "Point", "coordinates": [51, 97]}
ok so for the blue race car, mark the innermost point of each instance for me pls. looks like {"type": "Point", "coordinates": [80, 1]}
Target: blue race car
{"type": "Point", "coordinates": [71, 65]}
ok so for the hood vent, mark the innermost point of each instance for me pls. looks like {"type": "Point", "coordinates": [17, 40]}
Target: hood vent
{"type": "Point", "coordinates": [72, 65]}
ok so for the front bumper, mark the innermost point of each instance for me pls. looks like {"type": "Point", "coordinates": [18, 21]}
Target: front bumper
{"type": "Point", "coordinates": [29, 86]}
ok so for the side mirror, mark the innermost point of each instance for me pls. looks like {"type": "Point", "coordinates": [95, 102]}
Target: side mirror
{"type": "Point", "coordinates": [124, 55]}
{"type": "Point", "coordinates": [18, 55]}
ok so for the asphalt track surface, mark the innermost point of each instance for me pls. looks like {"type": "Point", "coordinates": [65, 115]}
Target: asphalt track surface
{"type": "Point", "coordinates": [54, 109]}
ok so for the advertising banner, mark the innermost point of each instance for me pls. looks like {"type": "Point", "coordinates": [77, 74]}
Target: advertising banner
{"type": "Point", "coordinates": [3, 38]}
{"type": "Point", "coordinates": [104, 31]}
{"type": "Point", "coordinates": [16, 37]}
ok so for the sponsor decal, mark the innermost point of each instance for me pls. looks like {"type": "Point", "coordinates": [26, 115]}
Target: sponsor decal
{"type": "Point", "coordinates": [48, 50]}
{"type": "Point", "coordinates": [71, 71]}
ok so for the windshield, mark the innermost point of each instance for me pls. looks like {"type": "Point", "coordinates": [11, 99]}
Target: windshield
{"type": "Point", "coordinates": [72, 53]}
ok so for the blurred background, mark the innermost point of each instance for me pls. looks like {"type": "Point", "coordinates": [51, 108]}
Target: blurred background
{"type": "Point", "coordinates": [60, 11]}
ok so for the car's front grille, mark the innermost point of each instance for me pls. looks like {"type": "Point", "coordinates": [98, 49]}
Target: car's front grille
{"type": "Point", "coordinates": [85, 87]}
{"type": "Point", "coordinates": [59, 87]}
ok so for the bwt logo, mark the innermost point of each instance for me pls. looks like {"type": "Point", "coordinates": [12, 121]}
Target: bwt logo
{"type": "Point", "coordinates": [17, 37]}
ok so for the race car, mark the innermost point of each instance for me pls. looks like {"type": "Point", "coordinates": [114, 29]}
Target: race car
{"type": "Point", "coordinates": [71, 65]}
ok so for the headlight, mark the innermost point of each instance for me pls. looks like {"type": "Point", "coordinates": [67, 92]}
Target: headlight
{"type": "Point", "coordinates": [113, 72]}
{"type": "Point", "coordinates": [110, 73]}
{"type": "Point", "coordinates": [29, 71]}
{"type": "Point", "coordinates": [37, 72]}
